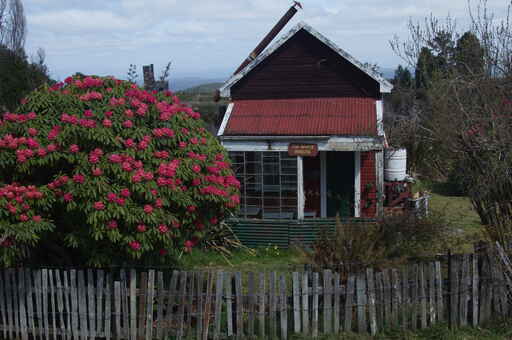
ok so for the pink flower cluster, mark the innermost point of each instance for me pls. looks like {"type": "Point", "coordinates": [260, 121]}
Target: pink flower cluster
{"type": "Point", "coordinates": [95, 155]}
{"type": "Point", "coordinates": [74, 120]}
{"type": "Point", "coordinates": [93, 95]}
{"type": "Point", "coordinates": [54, 132]}
{"type": "Point", "coordinates": [58, 182]}
{"type": "Point", "coordinates": [161, 154]}
{"type": "Point", "coordinates": [135, 245]}
{"type": "Point", "coordinates": [196, 156]}
{"type": "Point", "coordinates": [117, 101]}
{"type": "Point", "coordinates": [141, 95]}
{"type": "Point", "coordinates": [18, 195]}
{"type": "Point", "coordinates": [19, 118]}
{"type": "Point", "coordinates": [168, 169]}
{"type": "Point", "coordinates": [163, 132]}
{"type": "Point", "coordinates": [87, 82]}
{"type": "Point", "coordinates": [213, 191]}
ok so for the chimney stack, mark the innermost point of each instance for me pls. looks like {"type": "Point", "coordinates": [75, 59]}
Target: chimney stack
{"type": "Point", "coordinates": [149, 77]}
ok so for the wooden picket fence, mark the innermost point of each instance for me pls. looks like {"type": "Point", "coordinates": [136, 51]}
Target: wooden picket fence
{"type": "Point", "coordinates": [133, 304]}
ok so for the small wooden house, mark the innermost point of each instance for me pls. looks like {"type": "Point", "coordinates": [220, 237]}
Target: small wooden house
{"type": "Point", "coordinates": [304, 131]}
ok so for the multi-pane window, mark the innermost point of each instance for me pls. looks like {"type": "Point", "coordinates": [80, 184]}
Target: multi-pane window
{"type": "Point", "coordinates": [268, 184]}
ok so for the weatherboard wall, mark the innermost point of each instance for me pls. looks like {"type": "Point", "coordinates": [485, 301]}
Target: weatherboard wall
{"type": "Point", "coordinates": [304, 67]}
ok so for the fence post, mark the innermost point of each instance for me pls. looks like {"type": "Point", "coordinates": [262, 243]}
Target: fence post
{"type": "Point", "coordinates": [449, 299]}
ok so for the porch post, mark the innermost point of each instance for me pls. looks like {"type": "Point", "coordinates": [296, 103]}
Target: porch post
{"type": "Point", "coordinates": [379, 169]}
{"type": "Point", "coordinates": [323, 184]}
{"type": "Point", "coordinates": [357, 184]}
{"type": "Point", "coordinates": [300, 188]}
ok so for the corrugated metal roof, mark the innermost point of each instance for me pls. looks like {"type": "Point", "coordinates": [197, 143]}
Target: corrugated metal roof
{"type": "Point", "coordinates": [303, 117]}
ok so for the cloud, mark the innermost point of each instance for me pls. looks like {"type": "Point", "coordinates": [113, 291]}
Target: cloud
{"type": "Point", "coordinates": [207, 36]}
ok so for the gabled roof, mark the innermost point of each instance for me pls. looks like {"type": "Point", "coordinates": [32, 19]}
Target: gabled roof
{"type": "Point", "coordinates": [385, 86]}
{"type": "Point", "coordinates": [340, 116]}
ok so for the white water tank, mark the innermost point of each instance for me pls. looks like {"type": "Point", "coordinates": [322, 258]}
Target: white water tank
{"type": "Point", "coordinates": [395, 164]}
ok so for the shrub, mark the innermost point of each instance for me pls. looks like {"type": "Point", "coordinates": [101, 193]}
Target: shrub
{"type": "Point", "coordinates": [117, 173]}
{"type": "Point", "coordinates": [391, 241]}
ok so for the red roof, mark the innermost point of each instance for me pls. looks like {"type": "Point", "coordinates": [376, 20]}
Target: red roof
{"type": "Point", "coordinates": [303, 117]}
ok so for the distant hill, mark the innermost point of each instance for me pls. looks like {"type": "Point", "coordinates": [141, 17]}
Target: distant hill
{"type": "Point", "coordinates": [180, 84]}
{"type": "Point", "coordinates": [203, 88]}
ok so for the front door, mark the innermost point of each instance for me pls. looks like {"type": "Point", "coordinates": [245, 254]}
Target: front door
{"type": "Point", "coordinates": [312, 191]}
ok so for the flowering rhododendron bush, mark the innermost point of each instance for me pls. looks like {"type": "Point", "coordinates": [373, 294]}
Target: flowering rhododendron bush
{"type": "Point", "coordinates": [114, 172]}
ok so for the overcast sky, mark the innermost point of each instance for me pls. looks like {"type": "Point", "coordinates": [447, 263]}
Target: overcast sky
{"type": "Point", "coordinates": [210, 38]}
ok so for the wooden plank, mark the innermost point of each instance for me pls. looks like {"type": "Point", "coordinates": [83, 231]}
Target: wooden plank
{"type": "Point", "coordinates": [200, 301]}
{"type": "Point", "coordinates": [3, 304]}
{"type": "Point", "coordinates": [485, 292]}
{"type": "Point", "coordinates": [133, 304]}
{"type": "Point", "coordinates": [22, 298]}
{"type": "Point", "coordinates": [229, 302]}
{"type": "Point", "coordinates": [150, 304]}
{"type": "Point", "coordinates": [51, 304]}
{"type": "Point", "coordinates": [181, 308]}
{"type": "Point", "coordinates": [74, 304]}
{"type": "Point", "coordinates": [239, 306]}
{"type": "Point", "coordinates": [454, 292]}
{"type": "Point", "coordinates": [171, 301]}
{"type": "Point", "coordinates": [262, 305]}
{"type": "Point", "coordinates": [404, 315]}
{"type": "Point", "coordinates": [100, 318]}
{"type": "Point", "coordinates": [422, 296]}
{"type": "Point", "coordinates": [10, 303]}
{"type": "Point", "coordinates": [327, 302]}
{"type": "Point", "coordinates": [209, 292]}
{"type": "Point", "coordinates": [315, 290]}
{"type": "Point", "coordinates": [15, 301]}
{"type": "Point", "coordinates": [349, 303]}
{"type": "Point", "coordinates": [160, 298]}
{"type": "Point", "coordinates": [430, 273]}
{"type": "Point", "coordinates": [125, 311]}
{"type": "Point", "coordinates": [305, 303]}
{"type": "Point", "coordinates": [82, 305]}
{"type": "Point", "coordinates": [218, 304]}
{"type": "Point", "coordinates": [117, 309]}
{"type": "Point", "coordinates": [414, 296]}
{"type": "Point", "coordinates": [362, 326]}
{"type": "Point", "coordinates": [284, 307]}
{"type": "Point", "coordinates": [44, 292]}
{"type": "Point", "coordinates": [251, 291]}
{"type": "Point", "coordinates": [272, 305]}
{"type": "Point", "coordinates": [30, 301]}
{"type": "Point", "coordinates": [474, 289]}
{"type": "Point", "coordinates": [386, 282]}
{"type": "Point", "coordinates": [91, 303]}
{"type": "Point", "coordinates": [379, 299]}
{"type": "Point", "coordinates": [108, 302]}
{"type": "Point", "coordinates": [296, 302]}
{"type": "Point", "coordinates": [142, 304]}
{"type": "Point", "coordinates": [60, 301]}
{"type": "Point", "coordinates": [464, 291]}
{"type": "Point", "coordinates": [371, 301]}
{"type": "Point", "coordinates": [439, 292]}
{"type": "Point", "coordinates": [337, 293]}
{"type": "Point", "coordinates": [67, 303]}
{"type": "Point", "coordinates": [396, 296]}
{"type": "Point", "coordinates": [190, 300]}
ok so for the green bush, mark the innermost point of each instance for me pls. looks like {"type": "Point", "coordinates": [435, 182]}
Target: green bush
{"type": "Point", "coordinates": [120, 174]}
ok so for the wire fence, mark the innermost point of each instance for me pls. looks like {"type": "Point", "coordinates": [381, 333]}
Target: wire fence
{"type": "Point", "coordinates": [467, 289]}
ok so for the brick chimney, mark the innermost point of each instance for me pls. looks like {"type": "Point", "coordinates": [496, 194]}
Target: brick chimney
{"type": "Point", "coordinates": [149, 77]}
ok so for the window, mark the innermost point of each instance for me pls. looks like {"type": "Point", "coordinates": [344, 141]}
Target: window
{"type": "Point", "coordinates": [268, 184]}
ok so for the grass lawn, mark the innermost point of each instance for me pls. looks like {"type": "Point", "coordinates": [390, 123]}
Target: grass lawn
{"type": "Point", "coordinates": [458, 211]}
{"type": "Point", "coordinates": [262, 259]}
